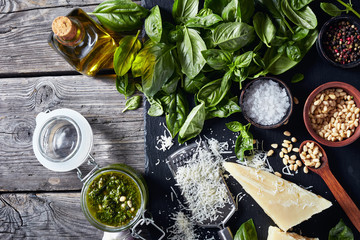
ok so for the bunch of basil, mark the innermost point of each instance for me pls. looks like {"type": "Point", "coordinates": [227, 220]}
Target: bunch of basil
{"type": "Point", "coordinates": [206, 53]}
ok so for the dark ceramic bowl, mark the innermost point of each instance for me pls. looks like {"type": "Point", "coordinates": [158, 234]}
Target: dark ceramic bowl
{"type": "Point", "coordinates": [284, 120]}
{"type": "Point", "coordinates": [321, 39]}
{"type": "Point", "coordinates": [347, 88]}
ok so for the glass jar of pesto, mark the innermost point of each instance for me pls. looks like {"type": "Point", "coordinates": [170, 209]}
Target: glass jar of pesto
{"type": "Point", "coordinates": [114, 198]}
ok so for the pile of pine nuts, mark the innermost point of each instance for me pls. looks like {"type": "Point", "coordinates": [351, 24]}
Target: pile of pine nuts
{"type": "Point", "coordinates": [334, 115]}
{"type": "Point", "coordinates": [311, 155]}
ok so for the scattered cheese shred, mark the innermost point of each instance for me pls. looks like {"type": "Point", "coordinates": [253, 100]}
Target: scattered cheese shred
{"type": "Point", "coordinates": [182, 229]}
{"type": "Point", "coordinates": [164, 142]}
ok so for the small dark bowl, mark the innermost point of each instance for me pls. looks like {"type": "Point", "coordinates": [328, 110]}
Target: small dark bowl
{"type": "Point", "coordinates": [320, 41]}
{"type": "Point", "coordinates": [284, 120]}
{"type": "Point", "coordinates": [347, 88]}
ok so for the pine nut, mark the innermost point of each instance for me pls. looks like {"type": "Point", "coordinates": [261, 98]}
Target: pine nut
{"type": "Point", "coordinates": [296, 101]}
{"type": "Point", "coordinates": [287, 141]}
{"type": "Point", "coordinates": [274, 145]}
{"type": "Point", "coordinates": [299, 163]}
{"type": "Point", "coordinates": [278, 174]}
{"type": "Point", "coordinates": [281, 154]}
{"type": "Point", "coordinates": [317, 165]}
{"type": "Point", "coordinates": [122, 199]}
{"type": "Point", "coordinates": [306, 170]}
{"type": "Point", "coordinates": [291, 167]}
{"type": "Point", "coordinates": [287, 133]}
{"type": "Point", "coordinates": [295, 167]}
{"type": "Point", "coordinates": [286, 145]}
{"type": "Point", "coordinates": [293, 139]}
{"type": "Point", "coordinates": [285, 161]}
{"type": "Point", "coordinates": [284, 150]}
{"type": "Point", "coordinates": [295, 149]}
{"type": "Point", "coordinates": [270, 152]}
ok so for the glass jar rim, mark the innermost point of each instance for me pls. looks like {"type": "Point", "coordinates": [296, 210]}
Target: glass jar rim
{"type": "Point", "coordinates": [96, 223]}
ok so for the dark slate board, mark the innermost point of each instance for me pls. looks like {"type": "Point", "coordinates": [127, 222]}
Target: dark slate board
{"type": "Point", "coordinates": [344, 162]}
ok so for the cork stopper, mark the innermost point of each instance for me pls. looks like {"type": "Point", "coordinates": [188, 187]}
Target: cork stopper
{"type": "Point", "coordinates": [64, 28]}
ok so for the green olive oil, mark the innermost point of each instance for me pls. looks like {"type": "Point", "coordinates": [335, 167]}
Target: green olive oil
{"type": "Point", "coordinates": [83, 43]}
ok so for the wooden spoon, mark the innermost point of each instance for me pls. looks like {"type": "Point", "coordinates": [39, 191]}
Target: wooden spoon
{"type": "Point", "coordinates": [337, 190]}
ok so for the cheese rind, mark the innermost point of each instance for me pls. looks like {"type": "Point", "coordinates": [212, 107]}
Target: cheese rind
{"type": "Point", "coordinates": [284, 202]}
{"type": "Point", "coordinates": [275, 233]}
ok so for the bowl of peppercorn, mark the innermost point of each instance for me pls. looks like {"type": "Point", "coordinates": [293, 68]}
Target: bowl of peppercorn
{"type": "Point", "coordinates": [339, 41]}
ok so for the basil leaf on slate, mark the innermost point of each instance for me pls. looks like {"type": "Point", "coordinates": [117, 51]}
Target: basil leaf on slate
{"type": "Point", "coordinates": [203, 21]}
{"type": "Point", "coordinates": [120, 15]}
{"type": "Point", "coordinates": [189, 52]}
{"type": "Point", "coordinates": [238, 11]}
{"type": "Point", "coordinates": [330, 9]}
{"type": "Point", "coordinates": [234, 126]}
{"type": "Point", "coordinates": [293, 52]}
{"type": "Point", "coordinates": [184, 9]}
{"type": "Point", "coordinates": [155, 64]}
{"type": "Point", "coordinates": [341, 232]}
{"type": "Point", "coordinates": [243, 60]}
{"type": "Point", "coordinates": [125, 54]}
{"type": "Point", "coordinates": [247, 231]}
{"type": "Point", "coordinates": [264, 27]}
{"type": "Point", "coordinates": [177, 113]}
{"type": "Point", "coordinates": [153, 24]}
{"type": "Point", "coordinates": [193, 124]}
{"type": "Point", "coordinates": [233, 35]}
{"type": "Point", "coordinates": [244, 142]}
{"type": "Point", "coordinates": [299, 4]}
{"type": "Point", "coordinates": [297, 77]}
{"type": "Point", "coordinates": [216, 5]}
{"type": "Point", "coordinates": [304, 17]}
{"type": "Point", "coordinates": [195, 84]}
{"type": "Point", "coordinates": [224, 109]}
{"type": "Point", "coordinates": [300, 33]}
{"type": "Point", "coordinates": [132, 103]}
{"type": "Point", "coordinates": [124, 86]}
{"type": "Point", "coordinates": [156, 109]}
{"type": "Point", "coordinates": [217, 59]}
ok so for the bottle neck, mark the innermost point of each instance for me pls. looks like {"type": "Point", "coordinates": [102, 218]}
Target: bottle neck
{"type": "Point", "coordinates": [68, 31]}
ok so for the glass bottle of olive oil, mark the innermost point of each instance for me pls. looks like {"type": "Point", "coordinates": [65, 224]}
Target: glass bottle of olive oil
{"type": "Point", "coordinates": [83, 43]}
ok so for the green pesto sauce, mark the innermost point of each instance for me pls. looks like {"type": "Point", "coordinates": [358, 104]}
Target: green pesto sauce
{"type": "Point", "coordinates": [105, 199]}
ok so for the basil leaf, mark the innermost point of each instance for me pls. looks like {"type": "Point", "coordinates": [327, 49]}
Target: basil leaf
{"type": "Point", "coordinates": [120, 15]}
{"type": "Point", "coordinates": [184, 9]}
{"type": "Point", "coordinates": [178, 110]}
{"type": "Point", "coordinates": [132, 103]}
{"type": "Point", "coordinates": [125, 54]}
{"type": "Point", "coordinates": [247, 231]}
{"type": "Point", "coordinates": [156, 108]}
{"type": "Point", "coordinates": [234, 126]}
{"type": "Point", "coordinates": [195, 84]}
{"type": "Point", "coordinates": [153, 24]}
{"type": "Point", "coordinates": [299, 4]}
{"type": "Point", "coordinates": [193, 124]}
{"type": "Point", "coordinates": [224, 109]}
{"type": "Point", "coordinates": [155, 64]}
{"type": "Point", "coordinates": [258, 60]}
{"type": "Point", "coordinates": [304, 17]}
{"type": "Point", "coordinates": [216, 5]}
{"type": "Point", "coordinates": [294, 53]}
{"type": "Point", "coordinates": [273, 6]}
{"type": "Point", "coordinates": [189, 52]}
{"type": "Point", "coordinates": [300, 33]}
{"type": "Point", "coordinates": [124, 86]}
{"type": "Point", "coordinates": [264, 27]}
{"type": "Point", "coordinates": [203, 21]}
{"type": "Point", "coordinates": [297, 77]}
{"type": "Point", "coordinates": [233, 36]}
{"type": "Point", "coordinates": [330, 9]}
{"type": "Point", "coordinates": [243, 60]}
{"type": "Point", "coordinates": [244, 142]}
{"type": "Point", "coordinates": [171, 85]}
{"type": "Point", "coordinates": [341, 232]}
{"type": "Point", "coordinates": [217, 59]}
{"type": "Point", "coordinates": [238, 11]}
{"type": "Point", "coordinates": [213, 92]}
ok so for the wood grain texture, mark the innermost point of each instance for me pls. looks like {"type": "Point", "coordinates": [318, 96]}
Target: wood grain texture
{"type": "Point", "coordinates": [25, 26]}
{"type": "Point", "coordinates": [44, 216]}
{"type": "Point", "coordinates": [118, 137]}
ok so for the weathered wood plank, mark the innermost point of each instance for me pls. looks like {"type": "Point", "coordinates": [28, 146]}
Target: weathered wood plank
{"type": "Point", "coordinates": [24, 29]}
{"type": "Point", "coordinates": [44, 216]}
{"type": "Point", "coordinates": [118, 137]}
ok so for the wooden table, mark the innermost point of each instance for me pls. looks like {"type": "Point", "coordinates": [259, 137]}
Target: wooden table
{"type": "Point", "coordinates": [36, 203]}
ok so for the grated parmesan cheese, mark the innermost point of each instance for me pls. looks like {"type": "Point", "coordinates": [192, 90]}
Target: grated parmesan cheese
{"type": "Point", "coordinates": [201, 184]}
{"type": "Point", "coordinates": [182, 229]}
{"type": "Point", "coordinates": [164, 142]}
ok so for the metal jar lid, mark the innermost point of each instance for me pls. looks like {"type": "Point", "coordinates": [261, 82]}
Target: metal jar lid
{"type": "Point", "coordinates": [62, 139]}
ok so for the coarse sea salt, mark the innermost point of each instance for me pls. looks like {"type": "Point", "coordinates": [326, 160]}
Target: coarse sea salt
{"type": "Point", "coordinates": [266, 102]}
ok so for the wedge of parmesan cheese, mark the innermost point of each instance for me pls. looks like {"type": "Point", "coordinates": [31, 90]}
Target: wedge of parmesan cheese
{"type": "Point", "coordinates": [284, 202]}
{"type": "Point", "coordinates": [275, 233]}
